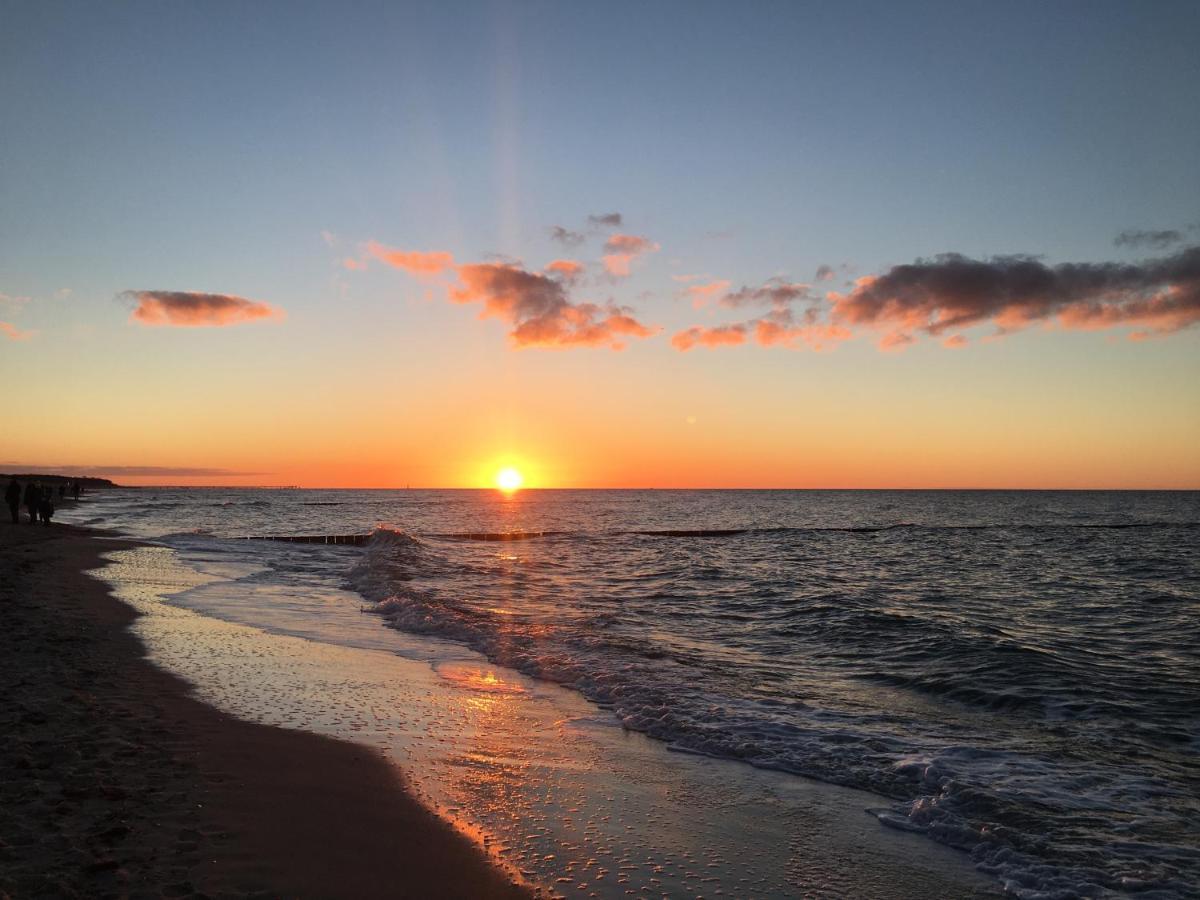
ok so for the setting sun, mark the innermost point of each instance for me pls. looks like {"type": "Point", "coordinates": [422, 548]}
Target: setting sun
{"type": "Point", "coordinates": [509, 479]}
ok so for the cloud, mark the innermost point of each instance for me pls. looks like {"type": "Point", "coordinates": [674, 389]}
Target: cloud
{"type": "Point", "coordinates": [539, 310]}
{"type": "Point", "coordinates": [605, 220]}
{"type": "Point", "coordinates": [621, 250]}
{"type": "Point", "coordinates": [782, 325]}
{"type": "Point", "coordinates": [824, 273]}
{"type": "Point", "coordinates": [1156, 240]}
{"type": "Point", "coordinates": [702, 294]}
{"type": "Point", "coordinates": [896, 340]}
{"type": "Point", "coordinates": [784, 328]}
{"type": "Point", "coordinates": [947, 294]}
{"type": "Point", "coordinates": [952, 292]}
{"type": "Point", "coordinates": [192, 309]}
{"type": "Point", "coordinates": [420, 264]}
{"type": "Point", "coordinates": [566, 270]}
{"type": "Point", "coordinates": [565, 236]}
{"type": "Point", "coordinates": [13, 333]}
{"type": "Point", "coordinates": [718, 336]}
{"type": "Point", "coordinates": [537, 306]}
{"type": "Point", "coordinates": [329, 238]}
{"type": "Point", "coordinates": [775, 292]}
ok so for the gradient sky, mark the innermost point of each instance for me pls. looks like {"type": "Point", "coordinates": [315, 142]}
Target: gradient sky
{"type": "Point", "coordinates": [303, 243]}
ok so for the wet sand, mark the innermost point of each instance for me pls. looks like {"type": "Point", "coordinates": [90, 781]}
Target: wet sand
{"type": "Point", "coordinates": [118, 782]}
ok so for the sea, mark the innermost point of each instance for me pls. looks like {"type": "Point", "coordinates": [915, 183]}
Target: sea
{"type": "Point", "coordinates": [1011, 674]}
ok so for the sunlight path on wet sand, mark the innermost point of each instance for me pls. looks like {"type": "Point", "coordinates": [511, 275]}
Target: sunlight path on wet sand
{"type": "Point", "coordinates": [552, 787]}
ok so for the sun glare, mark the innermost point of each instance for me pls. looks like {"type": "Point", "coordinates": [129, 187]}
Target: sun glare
{"type": "Point", "coordinates": [509, 479]}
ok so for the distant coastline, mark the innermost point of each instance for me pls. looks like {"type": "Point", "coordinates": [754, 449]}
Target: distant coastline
{"type": "Point", "coordinates": [88, 481]}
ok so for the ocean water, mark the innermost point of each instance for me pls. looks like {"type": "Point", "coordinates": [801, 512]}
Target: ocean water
{"type": "Point", "coordinates": [1013, 674]}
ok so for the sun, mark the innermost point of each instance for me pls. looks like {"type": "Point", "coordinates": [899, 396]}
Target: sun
{"type": "Point", "coordinates": [509, 479]}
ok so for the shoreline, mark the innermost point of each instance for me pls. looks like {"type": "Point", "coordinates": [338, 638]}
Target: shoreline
{"type": "Point", "coordinates": [123, 782]}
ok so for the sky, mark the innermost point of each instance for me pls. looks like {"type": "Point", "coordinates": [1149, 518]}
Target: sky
{"type": "Point", "coordinates": [820, 245]}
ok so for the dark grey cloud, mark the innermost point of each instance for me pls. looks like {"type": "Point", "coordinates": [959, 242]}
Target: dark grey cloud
{"type": "Point", "coordinates": [606, 220]}
{"type": "Point", "coordinates": [951, 292]}
{"type": "Point", "coordinates": [1155, 240]}
{"type": "Point", "coordinates": [566, 236]}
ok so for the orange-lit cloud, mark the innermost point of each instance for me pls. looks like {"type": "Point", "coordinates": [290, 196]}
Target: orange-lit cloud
{"type": "Point", "coordinates": [566, 269]}
{"type": "Point", "coordinates": [621, 250]}
{"type": "Point", "coordinates": [13, 333]}
{"type": "Point", "coordinates": [538, 306]}
{"type": "Point", "coordinates": [539, 310]}
{"type": "Point", "coordinates": [719, 336]}
{"type": "Point", "coordinates": [702, 294]}
{"type": "Point", "coordinates": [783, 328]}
{"type": "Point", "coordinates": [781, 325]}
{"type": "Point", "coordinates": [415, 263]}
{"type": "Point", "coordinates": [194, 309]}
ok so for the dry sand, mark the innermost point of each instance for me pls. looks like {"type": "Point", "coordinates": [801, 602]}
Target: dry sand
{"type": "Point", "coordinates": [117, 782]}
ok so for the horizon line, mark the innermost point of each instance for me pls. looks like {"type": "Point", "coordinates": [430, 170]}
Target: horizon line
{"type": "Point", "coordinates": [297, 487]}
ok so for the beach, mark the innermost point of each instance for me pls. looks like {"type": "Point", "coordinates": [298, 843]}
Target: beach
{"type": "Point", "coordinates": [118, 782]}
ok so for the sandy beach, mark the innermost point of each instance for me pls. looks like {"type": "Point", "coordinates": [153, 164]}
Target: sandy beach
{"type": "Point", "coordinates": [119, 783]}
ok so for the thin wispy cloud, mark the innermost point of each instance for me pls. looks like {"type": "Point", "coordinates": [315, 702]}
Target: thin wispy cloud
{"type": "Point", "coordinates": [190, 309]}
{"type": "Point", "coordinates": [703, 294]}
{"type": "Point", "coordinates": [621, 250]}
{"type": "Point", "coordinates": [414, 263]}
{"type": "Point", "coordinates": [13, 333]}
{"type": "Point", "coordinates": [776, 292]}
{"type": "Point", "coordinates": [1156, 240]}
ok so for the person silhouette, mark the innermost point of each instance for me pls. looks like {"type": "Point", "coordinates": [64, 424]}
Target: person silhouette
{"type": "Point", "coordinates": [46, 505]}
{"type": "Point", "coordinates": [33, 497]}
{"type": "Point", "coordinates": [12, 496]}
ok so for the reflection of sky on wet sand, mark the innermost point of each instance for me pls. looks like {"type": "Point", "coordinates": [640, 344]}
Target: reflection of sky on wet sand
{"type": "Point", "coordinates": [549, 784]}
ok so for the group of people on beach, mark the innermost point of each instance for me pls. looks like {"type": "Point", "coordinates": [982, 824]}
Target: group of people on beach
{"type": "Point", "coordinates": [38, 499]}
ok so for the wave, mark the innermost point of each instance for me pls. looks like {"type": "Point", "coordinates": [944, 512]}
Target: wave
{"type": "Point", "coordinates": [1013, 805]}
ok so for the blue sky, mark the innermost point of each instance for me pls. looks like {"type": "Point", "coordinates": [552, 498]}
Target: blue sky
{"type": "Point", "coordinates": [208, 147]}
